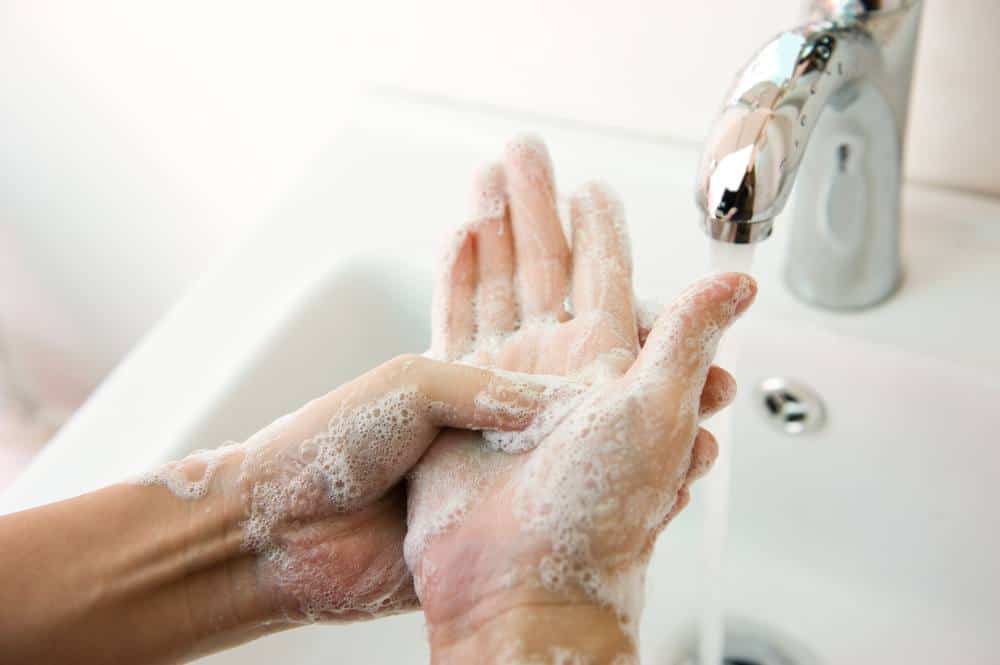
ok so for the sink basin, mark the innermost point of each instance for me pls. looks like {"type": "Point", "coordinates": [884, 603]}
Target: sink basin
{"type": "Point", "coordinates": [869, 540]}
{"type": "Point", "coordinates": [865, 541]}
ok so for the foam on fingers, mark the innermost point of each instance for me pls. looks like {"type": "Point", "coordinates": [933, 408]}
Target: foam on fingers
{"type": "Point", "coordinates": [489, 199]}
{"type": "Point", "coordinates": [453, 320]}
{"type": "Point", "coordinates": [496, 304]}
{"type": "Point", "coordinates": [542, 253]}
{"type": "Point", "coordinates": [527, 162]}
{"type": "Point", "coordinates": [684, 339]}
{"type": "Point", "coordinates": [506, 403]}
{"type": "Point", "coordinates": [602, 257]}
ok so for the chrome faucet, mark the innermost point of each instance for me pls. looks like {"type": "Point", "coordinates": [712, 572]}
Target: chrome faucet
{"type": "Point", "coordinates": [822, 107]}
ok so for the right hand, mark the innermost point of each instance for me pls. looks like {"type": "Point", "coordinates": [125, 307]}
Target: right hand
{"type": "Point", "coordinates": [317, 495]}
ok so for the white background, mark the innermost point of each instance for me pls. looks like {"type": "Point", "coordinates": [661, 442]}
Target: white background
{"type": "Point", "coordinates": [138, 141]}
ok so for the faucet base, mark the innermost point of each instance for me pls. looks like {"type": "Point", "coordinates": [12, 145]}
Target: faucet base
{"type": "Point", "coordinates": [844, 239]}
{"type": "Point", "coordinates": [806, 295]}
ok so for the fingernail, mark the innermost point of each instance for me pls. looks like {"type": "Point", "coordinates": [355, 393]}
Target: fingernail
{"type": "Point", "coordinates": [746, 292]}
{"type": "Point", "coordinates": [595, 197]}
{"type": "Point", "coordinates": [529, 156]}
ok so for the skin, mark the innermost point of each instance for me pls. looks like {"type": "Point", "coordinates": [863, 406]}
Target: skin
{"type": "Point", "coordinates": [631, 429]}
{"type": "Point", "coordinates": [184, 578]}
{"type": "Point", "coordinates": [177, 572]}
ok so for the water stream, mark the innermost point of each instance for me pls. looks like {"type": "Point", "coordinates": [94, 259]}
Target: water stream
{"type": "Point", "coordinates": [722, 257]}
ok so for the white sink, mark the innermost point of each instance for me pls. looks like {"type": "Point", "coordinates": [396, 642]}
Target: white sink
{"type": "Point", "coordinates": [868, 541]}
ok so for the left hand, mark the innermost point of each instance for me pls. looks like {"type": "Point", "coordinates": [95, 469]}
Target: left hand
{"type": "Point", "coordinates": [473, 543]}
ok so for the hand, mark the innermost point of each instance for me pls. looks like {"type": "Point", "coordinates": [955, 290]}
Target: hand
{"type": "Point", "coordinates": [317, 494]}
{"type": "Point", "coordinates": [570, 524]}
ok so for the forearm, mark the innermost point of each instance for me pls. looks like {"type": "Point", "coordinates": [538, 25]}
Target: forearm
{"type": "Point", "coordinates": [303, 522]}
{"type": "Point", "coordinates": [126, 574]}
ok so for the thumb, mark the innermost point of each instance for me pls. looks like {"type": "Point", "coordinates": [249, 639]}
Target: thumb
{"type": "Point", "coordinates": [684, 339]}
{"type": "Point", "coordinates": [361, 438]}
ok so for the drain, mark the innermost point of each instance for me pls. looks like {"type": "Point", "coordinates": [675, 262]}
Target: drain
{"type": "Point", "coordinates": [791, 406]}
{"type": "Point", "coordinates": [748, 642]}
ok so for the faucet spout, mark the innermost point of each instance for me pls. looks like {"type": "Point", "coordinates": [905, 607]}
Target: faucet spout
{"type": "Point", "coordinates": [822, 110]}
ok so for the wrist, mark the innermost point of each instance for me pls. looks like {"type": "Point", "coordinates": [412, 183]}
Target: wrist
{"type": "Point", "coordinates": [488, 601]}
{"type": "Point", "coordinates": [542, 630]}
{"type": "Point", "coordinates": [196, 570]}
{"type": "Point", "coordinates": [208, 575]}
{"type": "Point", "coordinates": [126, 574]}
{"type": "Point", "coordinates": [207, 530]}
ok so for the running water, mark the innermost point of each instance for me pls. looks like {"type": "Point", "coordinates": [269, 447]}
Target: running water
{"type": "Point", "coordinates": [722, 257]}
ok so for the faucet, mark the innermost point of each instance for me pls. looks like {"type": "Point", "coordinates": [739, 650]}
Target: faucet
{"type": "Point", "coordinates": [822, 107]}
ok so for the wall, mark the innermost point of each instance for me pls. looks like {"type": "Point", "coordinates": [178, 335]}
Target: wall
{"type": "Point", "coordinates": [138, 141]}
{"type": "Point", "coordinates": [663, 67]}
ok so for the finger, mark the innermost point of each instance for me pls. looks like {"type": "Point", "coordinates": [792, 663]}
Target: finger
{"type": "Point", "coordinates": [366, 434]}
{"type": "Point", "coordinates": [602, 261]}
{"type": "Point", "coordinates": [453, 322]}
{"type": "Point", "coordinates": [646, 313]}
{"type": "Point", "coordinates": [542, 255]}
{"type": "Point", "coordinates": [680, 348]}
{"type": "Point", "coordinates": [475, 398]}
{"type": "Point", "coordinates": [703, 455]}
{"type": "Point", "coordinates": [680, 503]}
{"type": "Point", "coordinates": [496, 308]}
{"type": "Point", "coordinates": [718, 393]}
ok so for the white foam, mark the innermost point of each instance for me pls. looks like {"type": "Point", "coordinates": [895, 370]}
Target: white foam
{"type": "Point", "coordinates": [441, 493]}
{"type": "Point", "coordinates": [342, 467]}
{"type": "Point", "coordinates": [189, 478]}
{"type": "Point", "coordinates": [569, 499]}
{"type": "Point", "coordinates": [597, 200]}
{"type": "Point", "coordinates": [558, 394]}
{"type": "Point", "coordinates": [646, 313]}
{"type": "Point", "coordinates": [488, 200]}
{"type": "Point", "coordinates": [595, 490]}
{"type": "Point", "coordinates": [441, 307]}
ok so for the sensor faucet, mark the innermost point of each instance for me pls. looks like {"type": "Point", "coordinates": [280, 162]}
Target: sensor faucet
{"type": "Point", "coordinates": [822, 107]}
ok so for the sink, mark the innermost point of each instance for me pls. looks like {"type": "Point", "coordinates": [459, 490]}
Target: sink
{"type": "Point", "coordinates": [869, 540]}
{"type": "Point", "coordinates": [865, 541]}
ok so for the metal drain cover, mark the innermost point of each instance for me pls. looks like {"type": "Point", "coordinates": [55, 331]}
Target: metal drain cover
{"type": "Point", "coordinates": [748, 642]}
{"type": "Point", "coordinates": [791, 406]}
